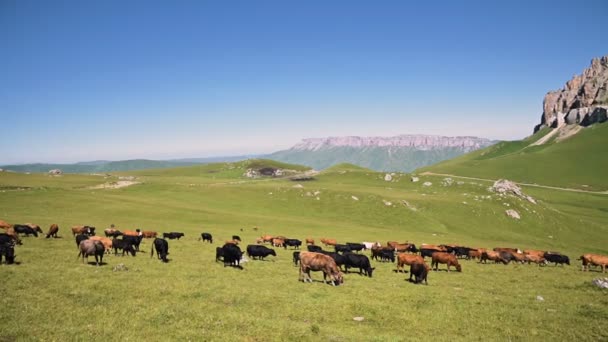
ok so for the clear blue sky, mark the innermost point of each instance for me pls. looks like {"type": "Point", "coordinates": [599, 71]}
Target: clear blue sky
{"type": "Point", "coordinates": [85, 80]}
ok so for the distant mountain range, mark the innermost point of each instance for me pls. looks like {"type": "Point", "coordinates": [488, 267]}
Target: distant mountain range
{"type": "Point", "coordinates": [399, 153]}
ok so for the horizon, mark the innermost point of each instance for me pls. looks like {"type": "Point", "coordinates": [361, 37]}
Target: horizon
{"type": "Point", "coordinates": [122, 81]}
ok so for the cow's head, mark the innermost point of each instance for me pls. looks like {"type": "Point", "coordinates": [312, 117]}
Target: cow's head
{"type": "Point", "coordinates": [338, 278]}
{"type": "Point", "coordinates": [458, 268]}
{"type": "Point", "coordinates": [272, 252]}
{"type": "Point", "coordinates": [370, 270]}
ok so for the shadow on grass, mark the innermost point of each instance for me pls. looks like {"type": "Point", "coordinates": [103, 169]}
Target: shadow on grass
{"type": "Point", "coordinates": [93, 263]}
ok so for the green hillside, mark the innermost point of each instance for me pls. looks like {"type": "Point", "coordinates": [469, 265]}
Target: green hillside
{"type": "Point", "coordinates": [195, 298]}
{"type": "Point", "coordinates": [575, 162]}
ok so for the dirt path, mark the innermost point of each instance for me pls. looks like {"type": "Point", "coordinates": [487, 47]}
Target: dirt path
{"type": "Point", "coordinates": [524, 184]}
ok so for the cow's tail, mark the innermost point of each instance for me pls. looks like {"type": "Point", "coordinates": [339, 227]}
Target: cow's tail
{"type": "Point", "coordinates": [152, 250]}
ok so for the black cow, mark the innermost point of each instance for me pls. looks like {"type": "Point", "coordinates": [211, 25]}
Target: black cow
{"type": "Point", "coordinates": [420, 272]}
{"type": "Point", "coordinates": [7, 239]}
{"type": "Point", "coordinates": [428, 252]}
{"type": "Point", "coordinates": [314, 248]}
{"type": "Point", "coordinates": [296, 258]}
{"type": "Point", "coordinates": [80, 238]}
{"type": "Point", "coordinates": [219, 253]}
{"type": "Point", "coordinates": [23, 229]}
{"type": "Point", "coordinates": [556, 258]}
{"type": "Point", "coordinates": [293, 243]}
{"type": "Point", "coordinates": [162, 249]}
{"type": "Point", "coordinates": [207, 237]}
{"type": "Point", "coordinates": [115, 233]}
{"type": "Point", "coordinates": [506, 256]}
{"type": "Point", "coordinates": [342, 248]}
{"type": "Point", "coordinates": [236, 237]}
{"type": "Point", "coordinates": [132, 240]}
{"type": "Point", "coordinates": [387, 255]}
{"type": "Point", "coordinates": [91, 247]}
{"type": "Point", "coordinates": [338, 258]}
{"type": "Point", "coordinates": [260, 252]}
{"type": "Point", "coordinates": [232, 255]}
{"type": "Point", "coordinates": [7, 249]}
{"type": "Point", "coordinates": [173, 235]}
{"type": "Point", "coordinates": [462, 252]}
{"type": "Point", "coordinates": [358, 261]}
{"type": "Point", "coordinates": [126, 246]}
{"type": "Point", "coordinates": [356, 247]}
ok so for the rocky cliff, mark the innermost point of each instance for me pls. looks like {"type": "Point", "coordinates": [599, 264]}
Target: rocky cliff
{"type": "Point", "coordinates": [419, 142]}
{"type": "Point", "coordinates": [583, 101]}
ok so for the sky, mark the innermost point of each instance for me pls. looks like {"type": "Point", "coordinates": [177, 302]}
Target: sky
{"type": "Point", "coordinates": [112, 80]}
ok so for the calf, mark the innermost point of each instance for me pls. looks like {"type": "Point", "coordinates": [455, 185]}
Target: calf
{"type": "Point", "coordinates": [207, 237]}
{"type": "Point", "coordinates": [260, 252]}
{"type": "Point", "coordinates": [91, 247]}
{"type": "Point", "coordinates": [232, 255]}
{"type": "Point", "coordinates": [557, 258]}
{"type": "Point", "coordinates": [293, 243]}
{"type": "Point", "coordinates": [162, 249]}
{"type": "Point", "coordinates": [173, 235]}
{"type": "Point", "coordinates": [53, 230]}
{"type": "Point", "coordinates": [310, 261]}
{"type": "Point", "coordinates": [445, 258]}
{"type": "Point", "coordinates": [358, 261]}
{"type": "Point", "coordinates": [420, 271]}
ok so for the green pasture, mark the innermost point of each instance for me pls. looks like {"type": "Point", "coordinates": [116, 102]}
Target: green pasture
{"type": "Point", "coordinates": [52, 296]}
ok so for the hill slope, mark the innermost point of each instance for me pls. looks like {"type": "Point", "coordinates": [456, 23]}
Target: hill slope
{"type": "Point", "coordinates": [575, 162]}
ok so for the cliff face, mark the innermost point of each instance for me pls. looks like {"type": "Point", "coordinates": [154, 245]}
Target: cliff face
{"type": "Point", "coordinates": [583, 101]}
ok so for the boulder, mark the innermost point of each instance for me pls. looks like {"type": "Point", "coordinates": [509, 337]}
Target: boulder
{"type": "Point", "coordinates": [388, 177]}
{"type": "Point", "coordinates": [602, 283]}
{"type": "Point", "coordinates": [427, 184]}
{"type": "Point", "coordinates": [504, 186]}
{"type": "Point", "coordinates": [55, 172]}
{"type": "Point", "coordinates": [513, 214]}
{"type": "Point", "coordinates": [415, 179]}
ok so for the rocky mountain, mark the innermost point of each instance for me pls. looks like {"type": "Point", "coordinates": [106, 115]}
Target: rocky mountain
{"type": "Point", "coordinates": [400, 153]}
{"type": "Point", "coordinates": [583, 101]}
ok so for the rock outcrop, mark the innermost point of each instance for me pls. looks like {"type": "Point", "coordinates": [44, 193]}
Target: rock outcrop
{"type": "Point", "coordinates": [503, 186]}
{"type": "Point", "coordinates": [583, 101]}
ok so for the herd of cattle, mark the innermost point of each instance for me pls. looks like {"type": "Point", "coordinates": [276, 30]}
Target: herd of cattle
{"type": "Point", "coordinates": [332, 264]}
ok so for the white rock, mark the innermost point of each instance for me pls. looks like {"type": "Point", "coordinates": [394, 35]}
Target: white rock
{"type": "Point", "coordinates": [388, 177]}
{"type": "Point", "coordinates": [355, 198]}
{"type": "Point", "coordinates": [540, 298]}
{"type": "Point", "coordinates": [358, 319]}
{"type": "Point", "coordinates": [601, 283]}
{"type": "Point", "coordinates": [513, 214]}
{"type": "Point", "coordinates": [387, 203]}
{"type": "Point", "coordinates": [427, 184]}
{"type": "Point", "coordinates": [415, 179]}
{"type": "Point", "coordinates": [298, 186]}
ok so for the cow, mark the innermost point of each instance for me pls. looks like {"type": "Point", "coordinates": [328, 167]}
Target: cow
{"type": "Point", "coordinates": [234, 242]}
{"type": "Point", "coordinates": [406, 247]}
{"type": "Point", "coordinates": [260, 252]}
{"type": "Point", "coordinates": [35, 227]}
{"type": "Point", "coordinates": [219, 254]}
{"type": "Point", "coordinates": [53, 229]}
{"type": "Point", "coordinates": [107, 242]}
{"type": "Point", "coordinates": [355, 247]}
{"type": "Point", "coordinates": [445, 258]}
{"type": "Point", "coordinates": [134, 233]}
{"type": "Point", "coordinates": [162, 249]}
{"type": "Point", "coordinates": [504, 249]}
{"type": "Point", "coordinates": [173, 235]}
{"type": "Point", "coordinates": [91, 247]}
{"type": "Point", "coordinates": [407, 259]}
{"type": "Point", "coordinates": [148, 234]}
{"type": "Point", "coordinates": [232, 255]}
{"type": "Point", "coordinates": [519, 257]}
{"type": "Point", "coordinates": [370, 245]}
{"type": "Point", "coordinates": [358, 261]}
{"type": "Point", "coordinates": [534, 252]}
{"type": "Point", "coordinates": [428, 252]}
{"type": "Point", "coordinates": [556, 258]}
{"type": "Point", "coordinates": [135, 241]}
{"type": "Point", "coordinates": [123, 245]}
{"type": "Point", "coordinates": [462, 252]}
{"type": "Point", "coordinates": [310, 241]}
{"type": "Point", "coordinates": [277, 242]}
{"type": "Point", "coordinates": [87, 230]}
{"type": "Point", "coordinates": [79, 238]}
{"type": "Point", "coordinates": [339, 259]}
{"type": "Point", "coordinates": [292, 243]}
{"type": "Point", "coordinates": [236, 237]}
{"type": "Point", "coordinates": [7, 239]}
{"type": "Point", "coordinates": [494, 256]}
{"type": "Point", "coordinates": [387, 255]}
{"type": "Point", "coordinates": [342, 248]}
{"type": "Point", "coordinates": [474, 254]}
{"type": "Point", "coordinates": [5, 225]}
{"type": "Point", "coordinates": [25, 229]}
{"type": "Point", "coordinates": [111, 232]}
{"type": "Point", "coordinates": [435, 247]}
{"type": "Point", "coordinates": [311, 261]}
{"type": "Point", "coordinates": [420, 271]}
{"type": "Point", "coordinates": [267, 238]}
{"type": "Point", "coordinates": [7, 250]}
{"type": "Point", "coordinates": [10, 231]}
{"type": "Point", "coordinates": [595, 260]}
{"type": "Point", "coordinates": [392, 244]}
{"type": "Point", "coordinates": [314, 248]}
{"type": "Point", "coordinates": [296, 257]}
{"type": "Point", "coordinates": [207, 237]}
{"type": "Point", "coordinates": [540, 260]}
{"type": "Point", "coordinates": [329, 242]}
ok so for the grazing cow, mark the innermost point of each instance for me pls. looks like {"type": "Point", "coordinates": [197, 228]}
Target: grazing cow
{"type": "Point", "coordinates": [445, 258]}
{"type": "Point", "coordinates": [123, 245]}
{"type": "Point", "coordinates": [370, 245]}
{"type": "Point", "coordinates": [162, 249]}
{"type": "Point", "coordinates": [534, 252]}
{"type": "Point", "coordinates": [267, 238]}
{"type": "Point", "coordinates": [494, 256]}
{"type": "Point", "coordinates": [111, 232]}
{"type": "Point", "coordinates": [594, 260]}
{"type": "Point", "coordinates": [219, 254]}
{"type": "Point", "coordinates": [310, 241]}
{"type": "Point", "coordinates": [25, 229]}
{"type": "Point", "coordinates": [358, 261]}
{"type": "Point", "coordinates": [292, 243]}
{"type": "Point", "coordinates": [135, 241]}
{"type": "Point", "coordinates": [407, 259]}
{"type": "Point", "coordinates": [172, 235]}
{"type": "Point", "coordinates": [311, 261]}
{"type": "Point", "coordinates": [277, 242]}
{"type": "Point", "coordinates": [91, 247]}
{"type": "Point", "coordinates": [87, 230]}
{"type": "Point", "coordinates": [5, 225]}
{"type": "Point", "coordinates": [474, 254]}
{"type": "Point", "coordinates": [342, 248]}
{"type": "Point", "coordinates": [207, 237]}
{"type": "Point", "coordinates": [420, 271]}
{"type": "Point", "coordinates": [428, 252]}
{"type": "Point", "coordinates": [35, 227]}
{"type": "Point", "coordinates": [260, 252]}
{"type": "Point", "coordinates": [510, 250]}
{"type": "Point", "coordinates": [329, 242]}
{"type": "Point", "coordinates": [339, 259]}
{"type": "Point", "coordinates": [232, 255]}
{"type": "Point", "coordinates": [236, 237]}
{"type": "Point", "coordinates": [148, 234]}
{"type": "Point", "coordinates": [556, 258]}
{"type": "Point", "coordinates": [314, 248]}
{"type": "Point", "coordinates": [7, 250]}
{"type": "Point", "coordinates": [296, 257]}
{"type": "Point", "coordinates": [540, 260]}
{"type": "Point", "coordinates": [53, 230]}
{"type": "Point", "coordinates": [435, 247]}
{"type": "Point", "coordinates": [355, 247]}
{"type": "Point", "coordinates": [462, 252]}
{"type": "Point", "coordinates": [406, 247]}
{"type": "Point", "coordinates": [387, 256]}
{"type": "Point", "coordinates": [80, 238]}
{"type": "Point", "coordinates": [392, 244]}
{"type": "Point", "coordinates": [134, 233]}
{"type": "Point", "coordinates": [107, 243]}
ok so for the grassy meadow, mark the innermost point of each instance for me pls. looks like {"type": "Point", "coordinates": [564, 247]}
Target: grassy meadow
{"type": "Point", "coordinates": [53, 296]}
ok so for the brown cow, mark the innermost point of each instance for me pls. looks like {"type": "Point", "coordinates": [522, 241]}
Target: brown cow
{"type": "Point", "coordinates": [595, 260]}
{"type": "Point", "coordinates": [53, 229]}
{"type": "Point", "coordinates": [474, 254]}
{"type": "Point", "coordinates": [510, 250]}
{"type": "Point", "coordinates": [35, 227]}
{"type": "Point", "coordinates": [436, 247]}
{"type": "Point", "coordinates": [135, 232]}
{"type": "Point", "coordinates": [148, 234]}
{"type": "Point", "coordinates": [329, 242]}
{"type": "Point", "coordinates": [311, 261]}
{"type": "Point", "coordinates": [276, 242]}
{"type": "Point", "coordinates": [5, 225]}
{"type": "Point", "coordinates": [519, 257]}
{"type": "Point", "coordinates": [10, 231]}
{"type": "Point", "coordinates": [407, 259]}
{"type": "Point", "coordinates": [107, 242]}
{"type": "Point", "coordinates": [234, 242]}
{"type": "Point", "coordinates": [392, 244]}
{"type": "Point", "coordinates": [494, 256]}
{"type": "Point", "coordinates": [537, 259]}
{"type": "Point", "coordinates": [534, 252]}
{"type": "Point", "coordinates": [310, 241]}
{"type": "Point", "coordinates": [404, 247]}
{"type": "Point", "coordinates": [76, 230]}
{"type": "Point", "coordinates": [445, 258]}
{"type": "Point", "coordinates": [267, 238]}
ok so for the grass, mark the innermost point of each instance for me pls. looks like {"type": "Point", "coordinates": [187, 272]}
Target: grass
{"type": "Point", "coordinates": [53, 296]}
{"type": "Point", "coordinates": [573, 163]}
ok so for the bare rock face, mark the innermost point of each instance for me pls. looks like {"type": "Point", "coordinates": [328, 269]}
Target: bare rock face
{"type": "Point", "coordinates": [503, 186]}
{"type": "Point", "coordinates": [583, 101]}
